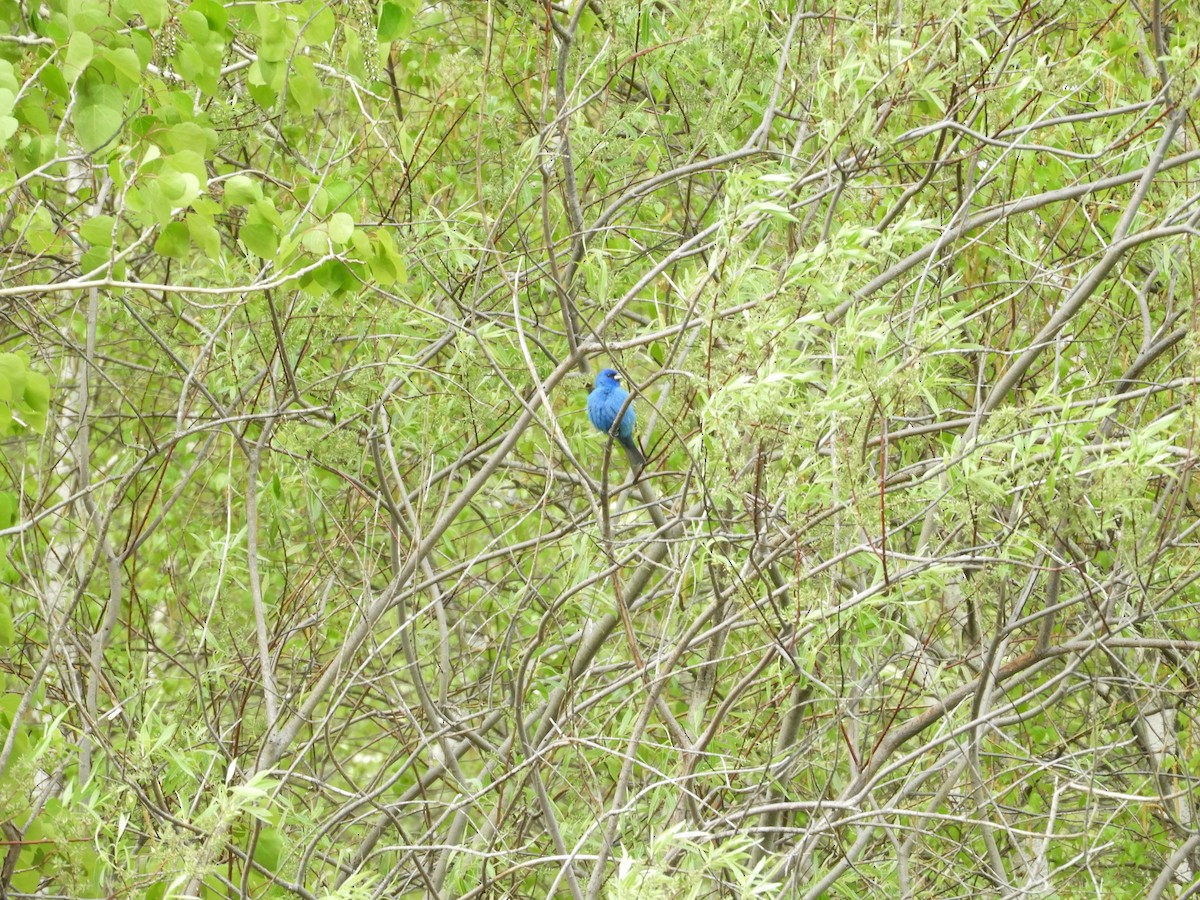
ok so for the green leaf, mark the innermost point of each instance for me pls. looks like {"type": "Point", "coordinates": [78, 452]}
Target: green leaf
{"type": "Point", "coordinates": [321, 26]}
{"type": "Point", "coordinates": [269, 848]}
{"type": "Point", "coordinates": [261, 239]}
{"type": "Point", "coordinates": [97, 115]}
{"type": "Point", "coordinates": [8, 517]}
{"type": "Point", "coordinates": [395, 20]}
{"type": "Point", "coordinates": [241, 191]}
{"type": "Point", "coordinates": [80, 50]}
{"type": "Point", "coordinates": [143, 47]}
{"type": "Point", "coordinates": [260, 80]}
{"type": "Point", "coordinates": [98, 231]}
{"type": "Point", "coordinates": [198, 65]}
{"type": "Point", "coordinates": [174, 187]}
{"type": "Point", "coordinates": [194, 24]}
{"type": "Point", "coordinates": [91, 18]}
{"type": "Point", "coordinates": [153, 12]}
{"type": "Point", "coordinates": [95, 259]}
{"type": "Point", "coordinates": [315, 241]}
{"type": "Point", "coordinates": [12, 371]}
{"type": "Point", "coordinates": [304, 87]}
{"type": "Point", "coordinates": [33, 115]}
{"type": "Point", "coordinates": [264, 211]}
{"type": "Point", "coordinates": [387, 265]}
{"type": "Point", "coordinates": [190, 164]}
{"type": "Point", "coordinates": [213, 12]}
{"type": "Point", "coordinates": [37, 399]}
{"type": "Point", "coordinates": [173, 241]}
{"type": "Point", "coordinates": [53, 80]}
{"type": "Point", "coordinates": [204, 235]}
{"type": "Point", "coordinates": [279, 33]}
{"type": "Point", "coordinates": [331, 277]}
{"type": "Point", "coordinates": [341, 227]}
{"type": "Point", "coordinates": [125, 63]}
{"type": "Point", "coordinates": [190, 138]}
{"type": "Point", "coordinates": [27, 878]}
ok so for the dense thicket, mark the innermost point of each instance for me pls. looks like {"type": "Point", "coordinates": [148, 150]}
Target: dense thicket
{"type": "Point", "coordinates": [317, 582]}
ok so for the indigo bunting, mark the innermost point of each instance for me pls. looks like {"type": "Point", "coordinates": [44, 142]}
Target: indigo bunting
{"type": "Point", "coordinates": [604, 402]}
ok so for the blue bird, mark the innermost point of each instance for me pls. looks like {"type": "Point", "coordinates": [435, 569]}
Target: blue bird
{"type": "Point", "coordinates": [604, 402]}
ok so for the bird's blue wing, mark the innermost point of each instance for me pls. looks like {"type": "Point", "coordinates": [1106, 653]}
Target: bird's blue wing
{"type": "Point", "coordinates": [628, 422]}
{"type": "Point", "coordinates": [599, 414]}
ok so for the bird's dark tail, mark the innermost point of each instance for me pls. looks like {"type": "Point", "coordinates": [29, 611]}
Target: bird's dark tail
{"type": "Point", "coordinates": [633, 453]}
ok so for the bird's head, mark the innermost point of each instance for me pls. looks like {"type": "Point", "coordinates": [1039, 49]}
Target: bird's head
{"type": "Point", "coordinates": [608, 378]}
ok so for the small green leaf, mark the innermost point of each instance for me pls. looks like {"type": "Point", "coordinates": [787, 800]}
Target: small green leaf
{"type": "Point", "coordinates": [126, 63]}
{"type": "Point", "coordinates": [27, 878]}
{"type": "Point", "coordinates": [173, 241]}
{"type": "Point", "coordinates": [194, 24]}
{"type": "Point", "coordinates": [214, 13]}
{"type": "Point", "coordinates": [175, 186]}
{"type": "Point", "coordinates": [8, 518]}
{"type": "Point", "coordinates": [12, 371]}
{"type": "Point", "coordinates": [321, 26]}
{"type": "Point", "coordinates": [264, 211]}
{"type": "Point", "coordinates": [304, 87]}
{"type": "Point", "coordinates": [153, 12]}
{"type": "Point", "coordinates": [361, 244]}
{"type": "Point", "coordinates": [382, 270]}
{"type": "Point", "coordinates": [386, 265]}
{"type": "Point", "coordinates": [97, 115]}
{"type": "Point", "coordinates": [395, 21]}
{"type": "Point", "coordinates": [269, 848]}
{"type": "Point", "coordinates": [37, 391]}
{"type": "Point", "coordinates": [143, 47]}
{"type": "Point", "coordinates": [98, 231]}
{"type": "Point", "coordinates": [204, 235]}
{"type": "Point", "coordinates": [241, 191]}
{"type": "Point", "coordinates": [315, 240]}
{"type": "Point", "coordinates": [341, 227]}
{"type": "Point", "coordinates": [189, 137]}
{"type": "Point", "coordinates": [80, 51]}
{"type": "Point", "coordinates": [95, 259]}
{"type": "Point", "coordinates": [55, 82]}
{"type": "Point", "coordinates": [261, 240]}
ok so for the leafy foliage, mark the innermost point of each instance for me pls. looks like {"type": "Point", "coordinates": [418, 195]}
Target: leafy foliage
{"type": "Point", "coordinates": [317, 582]}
